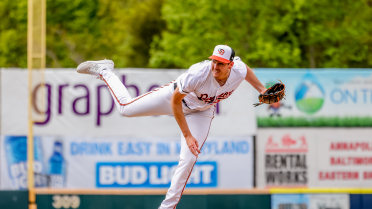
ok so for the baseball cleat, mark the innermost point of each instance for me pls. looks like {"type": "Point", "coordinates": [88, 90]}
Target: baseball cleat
{"type": "Point", "coordinates": [95, 67]}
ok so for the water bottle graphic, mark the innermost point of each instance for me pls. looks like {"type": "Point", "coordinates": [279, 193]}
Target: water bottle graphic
{"type": "Point", "coordinates": [57, 166]}
{"type": "Point", "coordinates": [16, 157]}
{"type": "Point", "coordinates": [309, 94]}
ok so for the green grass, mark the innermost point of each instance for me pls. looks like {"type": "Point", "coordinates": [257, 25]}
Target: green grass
{"type": "Point", "coordinates": [314, 122]}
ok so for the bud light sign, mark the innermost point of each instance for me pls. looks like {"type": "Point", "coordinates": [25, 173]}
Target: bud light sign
{"type": "Point", "coordinates": [151, 174]}
{"type": "Point", "coordinates": [49, 164]}
{"type": "Point", "coordinates": [16, 157]}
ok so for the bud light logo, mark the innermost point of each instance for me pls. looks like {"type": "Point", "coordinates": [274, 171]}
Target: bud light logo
{"type": "Point", "coordinates": [16, 157]}
{"type": "Point", "coordinates": [151, 174]}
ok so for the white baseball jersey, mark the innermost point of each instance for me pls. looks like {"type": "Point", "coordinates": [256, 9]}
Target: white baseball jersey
{"type": "Point", "coordinates": [203, 92]}
{"type": "Point", "coordinates": [202, 89]}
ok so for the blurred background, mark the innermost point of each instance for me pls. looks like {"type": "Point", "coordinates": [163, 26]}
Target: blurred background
{"type": "Point", "coordinates": [175, 34]}
{"type": "Point", "coordinates": [312, 150]}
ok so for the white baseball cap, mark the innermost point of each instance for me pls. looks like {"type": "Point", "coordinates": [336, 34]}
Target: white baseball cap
{"type": "Point", "coordinates": [223, 53]}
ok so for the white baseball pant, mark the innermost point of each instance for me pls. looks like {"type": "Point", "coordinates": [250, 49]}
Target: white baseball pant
{"type": "Point", "coordinates": [158, 102]}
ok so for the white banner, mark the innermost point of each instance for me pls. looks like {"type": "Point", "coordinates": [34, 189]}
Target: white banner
{"type": "Point", "coordinates": [333, 201]}
{"type": "Point", "coordinates": [124, 162]}
{"type": "Point", "coordinates": [319, 97]}
{"type": "Point", "coordinates": [79, 105]}
{"type": "Point", "coordinates": [82, 140]}
{"type": "Point", "coordinates": [310, 201]}
{"type": "Point", "coordinates": [312, 157]}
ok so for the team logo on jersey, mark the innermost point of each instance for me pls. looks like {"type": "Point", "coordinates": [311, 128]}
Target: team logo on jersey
{"type": "Point", "coordinates": [221, 51]}
{"type": "Point", "coordinates": [209, 100]}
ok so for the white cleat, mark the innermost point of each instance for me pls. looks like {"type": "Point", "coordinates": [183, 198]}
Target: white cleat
{"type": "Point", "coordinates": [95, 67]}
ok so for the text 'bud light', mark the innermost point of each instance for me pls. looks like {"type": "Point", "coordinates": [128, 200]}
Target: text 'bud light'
{"type": "Point", "coordinates": [16, 157]}
{"type": "Point", "coordinates": [152, 174]}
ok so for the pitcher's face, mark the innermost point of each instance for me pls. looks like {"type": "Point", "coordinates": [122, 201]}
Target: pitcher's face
{"type": "Point", "coordinates": [221, 70]}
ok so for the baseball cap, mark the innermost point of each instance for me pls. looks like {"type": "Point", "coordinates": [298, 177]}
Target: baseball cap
{"type": "Point", "coordinates": [223, 53]}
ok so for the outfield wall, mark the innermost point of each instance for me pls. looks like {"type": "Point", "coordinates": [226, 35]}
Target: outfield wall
{"type": "Point", "coordinates": [13, 199]}
{"type": "Point", "coordinates": [80, 120]}
{"type": "Point", "coordinates": [239, 200]}
{"type": "Point", "coordinates": [57, 200]}
{"type": "Point", "coordinates": [82, 142]}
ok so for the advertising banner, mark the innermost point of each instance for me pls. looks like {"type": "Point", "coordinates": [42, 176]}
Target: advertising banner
{"type": "Point", "coordinates": [319, 97]}
{"type": "Point", "coordinates": [124, 162]}
{"type": "Point", "coordinates": [332, 201]}
{"type": "Point", "coordinates": [74, 104]}
{"type": "Point", "coordinates": [313, 157]}
{"type": "Point", "coordinates": [310, 201]}
{"type": "Point", "coordinates": [81, 140]}
{"type": "Point", "coordinates": [289, 201]}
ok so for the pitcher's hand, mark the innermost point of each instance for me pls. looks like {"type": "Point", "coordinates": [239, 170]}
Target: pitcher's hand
{"type": "Point", "coordinates": [193, 145]}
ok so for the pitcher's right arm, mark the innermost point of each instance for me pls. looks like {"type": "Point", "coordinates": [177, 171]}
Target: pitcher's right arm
{"type": "Point", "coordinates": [176, 102]}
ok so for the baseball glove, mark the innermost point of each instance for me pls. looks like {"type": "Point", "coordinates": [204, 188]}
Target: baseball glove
{"type": "Point", "coordinates": [272, 95]}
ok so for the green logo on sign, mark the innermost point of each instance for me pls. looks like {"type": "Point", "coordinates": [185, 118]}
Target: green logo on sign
{"type": "Point", "coordinates": [309, 95]}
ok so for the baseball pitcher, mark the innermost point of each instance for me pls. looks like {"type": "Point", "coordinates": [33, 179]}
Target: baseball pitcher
{"type": "Point", "coordinates": [191, 99]}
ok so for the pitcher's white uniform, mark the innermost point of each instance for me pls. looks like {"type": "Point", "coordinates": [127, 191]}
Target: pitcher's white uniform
{"type": "Point", "coordinates": [203, 93]}
{"type": "Point", "coordinates": [202, 89]}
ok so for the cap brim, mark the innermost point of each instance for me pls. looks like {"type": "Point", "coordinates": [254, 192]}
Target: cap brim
{"type": "Point", "coordinates": [214, 57]}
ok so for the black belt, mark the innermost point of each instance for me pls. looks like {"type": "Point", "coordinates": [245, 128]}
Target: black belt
{"type": "Point", "coordinates": [183, 101]}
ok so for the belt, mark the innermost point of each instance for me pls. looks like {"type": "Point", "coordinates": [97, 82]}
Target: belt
{"type": "Point", "coordinates": [183, 101]}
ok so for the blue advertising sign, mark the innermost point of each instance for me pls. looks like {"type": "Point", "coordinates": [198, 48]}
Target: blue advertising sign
{"type": "Point", "coordinates": [124, 162]}
{"type": "Point", "coordinates": [289, 201]}
{"type": "Point", "coordinates": [151, 174]}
